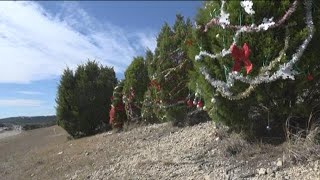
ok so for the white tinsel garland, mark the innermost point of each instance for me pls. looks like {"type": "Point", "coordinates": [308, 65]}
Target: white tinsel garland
{"type": "Point", "coordinates": [247, 6]}
{"type": "Point", "coordinates": [264, 26]}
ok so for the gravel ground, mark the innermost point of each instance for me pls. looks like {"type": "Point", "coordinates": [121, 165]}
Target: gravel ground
{"type": "Point", "coordinates": [5, 134]}
{"type": "Point", "coordinates": [157, 152]}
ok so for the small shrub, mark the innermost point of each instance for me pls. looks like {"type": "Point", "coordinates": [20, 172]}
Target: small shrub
{"type": "Point", "coordinates": [234, 145]}
{"type": "Point", "coordinates": [301, 148]}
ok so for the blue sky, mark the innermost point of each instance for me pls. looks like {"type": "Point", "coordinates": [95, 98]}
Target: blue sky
{"type": "Point", "coordinates": [39, 39]}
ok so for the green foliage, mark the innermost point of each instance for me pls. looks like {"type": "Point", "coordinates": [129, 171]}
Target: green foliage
{"type": "Point", "coordinates": [83, 98]}
{"type": "Point", "coordinates": [273, 102]}
{"type": "Point", "coordinates": [135, 85]}
{"type": "Point", "coordinates": [168, 71]}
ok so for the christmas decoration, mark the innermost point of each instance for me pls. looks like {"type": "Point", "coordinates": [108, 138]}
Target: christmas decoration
{"type": "Point", "coordinates": [241, 56]}
{"type": "Point", "coordinates": [309, 77]}
{"type": "Point", "coordinates": [117, 113]}
{"type": "Point", "coordinates": [268, 128]}
{"type": "Point", "coordinates": [135, 85]}
{"type": "Point", "coordinates": [247, 5]}
{"type": "Point", "coordinates": [285, 70]}
{"type": "Point", "coordinates": [267, 23]}
{"type": "Point", "coordinates": [189, 42]}
{"type": "Point", "coordinates": [199, 104]}
{"type": "Point", "coordinates": [237, 80]}
{"type": "Point", "coordinates": [189, 103]}
{"type": "Point", "coordinates": [111, 114]}
{"type": "Point", "coordinates": [195, 102]}
{"type": "Point", "coordinates": [166, 97]}
{"type": "Point", "coordinates": [204, 108]}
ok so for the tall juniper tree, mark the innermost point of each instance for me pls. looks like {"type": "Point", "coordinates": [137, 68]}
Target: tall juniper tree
{"type": "Point", "coordinates": [168, 71]}
{"type": "Point", "coordinates": [256, 63]}
{"type": "Point", "coordinates": [83, 98]}
{"type": "Point", "coordinates": [135, 85]}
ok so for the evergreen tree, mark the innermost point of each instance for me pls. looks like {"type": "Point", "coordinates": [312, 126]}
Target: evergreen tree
{"type": "Point", "coordinates": [65, 101]}
{"type": "Point", "coordinates": [135, 85]}
{"type": "Point", "coordinates": [151, 66]}
{"type": "Point", "coordinates": [83, 98]}
{"type": "Point", "coordinates": [117, 113]}
{"type": "Point", "coordinates": [168, 71]}
{"type": "Point", "coordinates": [266, 91]}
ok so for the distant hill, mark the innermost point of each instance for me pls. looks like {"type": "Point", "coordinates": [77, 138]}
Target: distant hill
{"type": "Point", "coordinates": [29, 122]}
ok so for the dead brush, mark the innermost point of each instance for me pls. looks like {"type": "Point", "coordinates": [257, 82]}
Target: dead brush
{"type": "Point", "coordinates": [303, 144]}
{"type": "Point", "coordinates": [234, 145]}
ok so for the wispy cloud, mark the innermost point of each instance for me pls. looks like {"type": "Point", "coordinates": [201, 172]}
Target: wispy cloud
{"type": "Point", "coordinates": [37, 45]}
{"type": "Point", "coordinates": [30, 92]}
{"type": "Point", "coordinates": [20, 103]}
{"type": "Point", "coordinates": [148, 40]}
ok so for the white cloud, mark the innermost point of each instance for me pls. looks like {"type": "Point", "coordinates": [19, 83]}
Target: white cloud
{"type": "Point", "coordinates": [30, 92]}
{"type": "Point", "coordinates": [36, 45]}
{"type": "Point", "coordinates": [20, 103]}
{"type": "Point", "coordinates": [148, 40]}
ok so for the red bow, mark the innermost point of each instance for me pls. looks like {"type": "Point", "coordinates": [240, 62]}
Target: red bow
{"type": "Point", "coordinates": [241, 57]}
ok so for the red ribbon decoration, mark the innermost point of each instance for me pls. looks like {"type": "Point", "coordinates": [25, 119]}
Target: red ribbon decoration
{"type": "Point", "coordinates": [189, 103]}
{"type": "Point", "coordinates": [120, 107]}
{"type": "Point", "coordinates": [111, 114]}
{"type": "Point", "coordinates": [309, 77]}
{"type": "Point", "coordinates": [189, 42]}
{"type": "Point", "coordinates": [241, 57]}
{"type": "Point", "coordinates": [155, 84]}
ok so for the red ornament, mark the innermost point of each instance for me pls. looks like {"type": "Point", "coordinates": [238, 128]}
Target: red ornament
{"type": "Point", "coordinates": [155, 84]}
{"type": "Point", "coordinates": [200, 104]}
{"type": "Point", "coordinates": [111, 114]}
{"type": "Point", "coordinates": [309, 77]}
{"type": "Point", "coordinates": [241, 57]}
{"type": "Point", "coordinates": [120, 107]}
{"type": "Point", "coordinates": [189, 42]}
{"type": "Point", "coordinates": [189, 103]}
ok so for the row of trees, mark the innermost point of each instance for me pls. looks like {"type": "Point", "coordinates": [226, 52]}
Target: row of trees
{"type": "Point", "coordinates": [187, 71]}
{"type": "Point", "coordinates": [155, 87]}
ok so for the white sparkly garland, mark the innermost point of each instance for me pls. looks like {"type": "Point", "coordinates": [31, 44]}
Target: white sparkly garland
{"type": "Point", "coordinates": [264, 26]}
{"type": "Point", "coordinates": [224, 16]}
{"type": "Point", "coordinates": [285, 71]}
{"type": "Point", "coordinates": [247, 6]}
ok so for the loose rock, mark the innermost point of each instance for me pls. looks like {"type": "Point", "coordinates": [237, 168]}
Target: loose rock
{"type": "Point", "coordinates": [262, 171]}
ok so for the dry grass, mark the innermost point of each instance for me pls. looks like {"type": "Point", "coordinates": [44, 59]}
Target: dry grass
{"type": "Point", "coordinates": [302, 149]}
{"type": "Point", "coordinates": [303, 145]}
{"type": "Point", "coordinates": [234, 145]}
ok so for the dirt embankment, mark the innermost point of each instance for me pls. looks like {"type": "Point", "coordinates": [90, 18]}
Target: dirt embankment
{"type": "Point", "coordinates": [152, 152]}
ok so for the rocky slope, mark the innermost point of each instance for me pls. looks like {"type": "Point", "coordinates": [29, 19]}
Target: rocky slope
{"type": "Point", "coordinates": [153, 152]}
